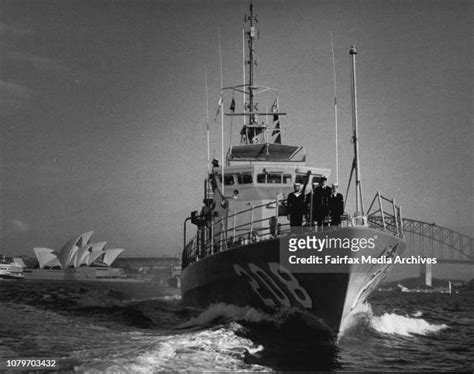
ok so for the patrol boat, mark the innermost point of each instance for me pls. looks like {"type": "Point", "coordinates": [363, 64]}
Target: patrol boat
{"type": "Point", "coordinates": [240, 254]}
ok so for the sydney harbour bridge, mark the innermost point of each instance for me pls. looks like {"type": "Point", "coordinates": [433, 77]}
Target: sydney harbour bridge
{"type": "Point", "coordinates": [430, 240]}
{"type": "Point", "coordinates": [424, 239]}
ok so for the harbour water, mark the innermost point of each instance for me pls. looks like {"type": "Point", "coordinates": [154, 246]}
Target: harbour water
{"type": "Point", "coordinates": [89, 329]}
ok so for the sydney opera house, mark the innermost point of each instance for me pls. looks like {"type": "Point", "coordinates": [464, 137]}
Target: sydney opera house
{"type": "Point", "coordinates": [76, 253]}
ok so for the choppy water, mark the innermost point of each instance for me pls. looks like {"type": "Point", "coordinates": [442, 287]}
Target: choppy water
{"type": "Point", "coordinates": [94, 330]}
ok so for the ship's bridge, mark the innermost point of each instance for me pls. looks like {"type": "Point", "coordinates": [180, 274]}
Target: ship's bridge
{"type": "Point", "coordinates": [268, 178]}
{"type": "Point", "coordinates": [251, 188]}
{"type": "Point", "coordinates": [256, 184]}
{"type": "Point", "coordinates": [258, 172]}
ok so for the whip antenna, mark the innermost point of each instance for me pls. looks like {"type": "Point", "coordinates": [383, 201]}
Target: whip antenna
{"type": "Point", "coordinates": [207, 119]}
{"type": "Point", "coordinates": [222, 112]}
{"type": "Point", "coordinates": [243, 72]}
{"type": "Point", "coordinates": [335, 106]}
{"type": "Point", "coordinates": [355, 136]}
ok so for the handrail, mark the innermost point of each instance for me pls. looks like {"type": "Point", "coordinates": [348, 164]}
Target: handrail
{"type": "Point", "coordinates": [251, 217]}
{"type": "Point", "coordinates": [384, 220]}
{"type": "Point", "coordinates": [252, 208]}
{"type": "Point", "coordinates": [394, 207]}
{"type": "Point", "coordinates": [254, 230]}
{"type": "Point", "coordinates": [381, 208]}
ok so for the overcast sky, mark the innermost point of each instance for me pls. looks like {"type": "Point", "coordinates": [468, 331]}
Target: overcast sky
{"type": "Point", "coordinates": [103, 108]}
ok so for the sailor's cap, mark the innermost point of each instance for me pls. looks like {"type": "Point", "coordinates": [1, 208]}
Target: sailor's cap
{"type": "Point", "coordinates": [297, 184]}
{"type": "Point", "coordinates": [335, 185]}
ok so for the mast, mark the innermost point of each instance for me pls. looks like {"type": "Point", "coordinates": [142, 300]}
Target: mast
{"type": "Point", "coordinates": [251, 35]}
{"type": "Point", "coordinates": [355, 136]}
{"type": "Point", "coordinates": [252, 131]}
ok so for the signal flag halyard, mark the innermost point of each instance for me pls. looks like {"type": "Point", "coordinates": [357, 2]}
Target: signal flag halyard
{"type": "Point", "coordinates": [276, 122]}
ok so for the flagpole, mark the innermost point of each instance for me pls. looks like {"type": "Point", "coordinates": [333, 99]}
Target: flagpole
{"type": "Point", "coordinates": [335, 107]}
{"type": "Point", "coordinates": [355, 136]}
{"type": "Point", "coordinates": [222, 112]}
{"type": "Point", "coordinates": [243, 72]}
{"type": "Point", "coordinates": [222, 140]}
{"type": "Point", "coordinates": [207, 118]}
{"type": "Point", "coordinates": [231, 128]}
{"type": "Point", "coordinates": [220, 55]}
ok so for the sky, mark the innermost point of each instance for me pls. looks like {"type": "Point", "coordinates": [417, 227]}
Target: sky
{"type": "Point", "coordinates": [103, 109]}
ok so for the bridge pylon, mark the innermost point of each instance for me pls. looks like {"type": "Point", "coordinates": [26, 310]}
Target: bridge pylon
{"type": "Point", "coordinates": [426, 274]}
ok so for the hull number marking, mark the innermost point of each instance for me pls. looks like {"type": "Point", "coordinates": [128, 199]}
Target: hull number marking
{"type": "Point", "coordinates": [275, 284]}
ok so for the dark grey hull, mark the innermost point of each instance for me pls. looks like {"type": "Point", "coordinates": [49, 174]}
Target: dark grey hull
{"type": "Point", "coordinates": [251, 275]}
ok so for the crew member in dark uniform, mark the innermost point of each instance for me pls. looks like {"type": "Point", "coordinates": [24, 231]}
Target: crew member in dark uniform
{"type": "Point", "coordinates": [321, 196]}
{"type": "Point", "coordinates": [336, 205]}
{"type": "Point", "coordinates": [296, 208]}
{"type": "Point", "coordinates": [215, 165]}
{"type": "Point", "coordinates": [310, 204]}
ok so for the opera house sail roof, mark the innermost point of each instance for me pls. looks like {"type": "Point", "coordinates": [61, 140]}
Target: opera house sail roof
{"type": "Point", "coordinates": [77, 252]}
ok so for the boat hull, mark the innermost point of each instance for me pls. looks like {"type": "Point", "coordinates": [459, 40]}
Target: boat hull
{"type": "Point", "coordinates": [252, 275]}
{"type": "Point", "coordinates": [11, 271]}
{"type": "Point", "coordinates": [11, 276]}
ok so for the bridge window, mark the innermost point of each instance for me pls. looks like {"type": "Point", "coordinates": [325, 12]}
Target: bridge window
{"type": "Point", "coordinates": [229, 180]}
{"type": "Point", "coordinates": [244, 178]}
{"type": "Point", "coordinates": [301, 178]}
{"type": "Point", "coordinates": [273, 178]}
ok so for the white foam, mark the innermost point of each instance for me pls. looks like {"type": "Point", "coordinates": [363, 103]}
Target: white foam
{"type": "Point", "coordinates": [390, 323]}
{"type": "Point", "coordinates": [208, 350]}
{"type": "Point", "coordinates": [395, 324]}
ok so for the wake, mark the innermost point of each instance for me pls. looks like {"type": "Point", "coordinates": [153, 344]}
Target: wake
{"type": "Point", "coordinates": [391, 323]}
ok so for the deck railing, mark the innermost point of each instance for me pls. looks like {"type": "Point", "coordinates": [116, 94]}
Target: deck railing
{"type": "Point", "coordinates": [384, 219]}
{"type": "Point", "coordinates": [231, 234]}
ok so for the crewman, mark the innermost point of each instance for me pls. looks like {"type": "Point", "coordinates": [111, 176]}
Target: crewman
{"type": "Point", "coordinates": [296, 208]}
{"type": "Point", "coordinates": [215, 165]}
{"type": "Point", "coordinates": [321, 196]}
{"type": "Point", "coordinates": [309, 204]}
{"type": "Point", "coordinates": [336, 205]}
